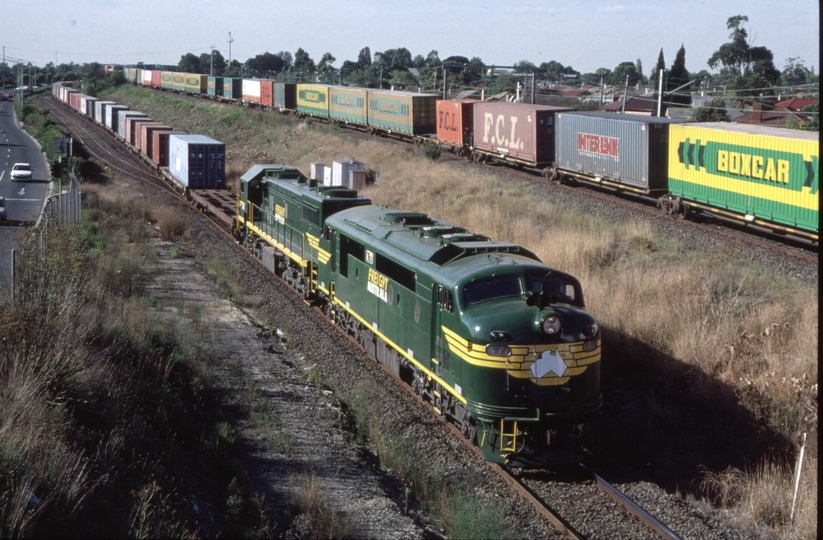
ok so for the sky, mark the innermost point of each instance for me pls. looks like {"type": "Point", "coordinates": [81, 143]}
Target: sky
{"type": "Point", "coordinates": [583, 34]}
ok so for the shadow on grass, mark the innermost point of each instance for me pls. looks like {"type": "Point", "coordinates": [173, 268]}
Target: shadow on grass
{"type": "Point", "coordinates": [672, 421]}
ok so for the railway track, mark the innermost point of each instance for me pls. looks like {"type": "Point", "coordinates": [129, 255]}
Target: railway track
{"type": "Point", "coordinates": [544, 494]}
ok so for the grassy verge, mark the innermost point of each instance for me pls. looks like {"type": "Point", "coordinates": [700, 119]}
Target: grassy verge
{"type": "Point", "coordinates": [719, 356]}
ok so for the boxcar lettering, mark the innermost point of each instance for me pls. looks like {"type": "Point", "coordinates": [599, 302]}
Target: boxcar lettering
{"type": "Point", "coordinates": [753, 166]}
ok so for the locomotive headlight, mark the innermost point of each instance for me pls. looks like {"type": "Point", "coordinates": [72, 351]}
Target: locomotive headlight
{"type": "Point", "coordinates": [590, 331]}
{"type": "Point", "coordinates": [551, 325]}
{"type": "Point", "coordinates": [496, 349]}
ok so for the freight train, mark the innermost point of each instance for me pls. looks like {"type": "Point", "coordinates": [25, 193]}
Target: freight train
{"type": "Point", "coordinates": [757, 176]}
{"type": "Point", "coordinates": [497, 342]}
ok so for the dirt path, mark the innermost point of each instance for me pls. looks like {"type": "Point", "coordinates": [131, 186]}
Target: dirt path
{"type": "Point", "coordinates": [298, 445]}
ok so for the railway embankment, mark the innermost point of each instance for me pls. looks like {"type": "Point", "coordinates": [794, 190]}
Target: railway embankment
{"type": "Point", "coordinates": [713, 361]}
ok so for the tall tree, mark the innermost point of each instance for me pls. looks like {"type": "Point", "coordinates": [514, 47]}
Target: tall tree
{"type": "Point", "coordinates": [189, 63]}
{"type": "Point", "coordinates": [303, 62]}
{"type": "Point", "coordinates": [661, 64]}
{"type": "Point", "coordinates": [364, 58]}
{"type": "Point", "coordinates": [752, 67]}
{"type": "Point", "coordinates": [677, 77]}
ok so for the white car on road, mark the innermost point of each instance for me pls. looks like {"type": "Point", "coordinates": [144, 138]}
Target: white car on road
{"type": "Point", "coordinates": [21, 171]}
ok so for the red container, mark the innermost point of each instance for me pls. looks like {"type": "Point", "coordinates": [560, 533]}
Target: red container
{"type": "Point", "coordinates": [517, 132]}
{"type": "Point", "coordinates": [131, 127]}
{"type": "Point", "coordinates": [160, 146]}
{"type": "Point", "coordinates": [143, 141]}
{"type": "Point", "coordinates": [155, 79]}
{"type": "Point", "coordinates": [137, 123]}
{"type": "Point", "coordinates": [74, 100]}
{"type": "Point", "coordinates": [267, 93]}
{"type": "Point", "coordinates": [455, 121]}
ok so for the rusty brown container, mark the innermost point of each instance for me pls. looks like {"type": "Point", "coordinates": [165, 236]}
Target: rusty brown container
{"type": "Point", "coordinates": [146, 131]}
{"type": "Point", "coordinates": [267, 93]}
{"type": "Point", "coordinates": [140, 133]}
{"type": "Point", "coordinates": [155, 79]}
{"type": "Point", "coordinates": [516, 132]}
{"type": "Point", "coordinates": [454, 121]}
{"type": "Point", "coordinates": [132, 128]}
{"type": "Point", "coordinates": [160, 146]}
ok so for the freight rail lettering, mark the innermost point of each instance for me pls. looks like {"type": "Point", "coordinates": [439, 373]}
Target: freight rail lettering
{"type": "Point", "coordinates": [598, 144]}
{"type": "Point", "coordinates": [499, 125]}
{"type": "Point", "coordinates": [378, 283]}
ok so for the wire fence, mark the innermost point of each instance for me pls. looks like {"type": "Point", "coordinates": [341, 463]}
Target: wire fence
{"type": "Point", "coordinates": [60, 210]}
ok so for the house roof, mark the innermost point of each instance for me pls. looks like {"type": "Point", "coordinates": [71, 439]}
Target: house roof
{"type": "Point", "coordinates": [634, 103]}
{"type": "Point", "coordinates": [776, 117]}
{"type": "Point", "coordinates": [795, 104]}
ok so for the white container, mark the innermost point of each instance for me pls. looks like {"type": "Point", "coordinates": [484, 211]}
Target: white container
{"type": "Point", "coordinates": [341, 169]}
{"type": "Point", "coordinates": [357, 180]}
{"type": "Point", "coordinates": [317, 170]}
{"type": "Point", "coordinates": [327, 177]}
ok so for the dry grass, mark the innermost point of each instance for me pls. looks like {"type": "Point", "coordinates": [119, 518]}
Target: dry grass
{"type": "Point", "coordinates": [316, 514]}
{"type": "Point", "coordinates": [712, 330]}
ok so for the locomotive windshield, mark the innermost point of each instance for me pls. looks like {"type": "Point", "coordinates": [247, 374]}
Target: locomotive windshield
{"type": "Point", "coordinates": [493, 288]}
{"type": "Point", "coordinates": [555, 288]}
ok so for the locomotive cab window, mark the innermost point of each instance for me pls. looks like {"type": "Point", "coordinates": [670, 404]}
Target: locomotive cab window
{"type": "Point", "coordinates": [556, 289]}
{"type": "Point", "coordinates": [493, 288]}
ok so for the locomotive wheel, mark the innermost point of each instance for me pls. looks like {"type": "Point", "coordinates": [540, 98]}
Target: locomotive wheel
{"type": "Point", "coordinates": [467, 428]}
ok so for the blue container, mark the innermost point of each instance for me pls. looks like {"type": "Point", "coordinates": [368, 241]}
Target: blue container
{"type": "Point", "coordinates": [197, 161]}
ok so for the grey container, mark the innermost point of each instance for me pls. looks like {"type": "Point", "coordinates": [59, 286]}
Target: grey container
{"type": "Point", "coordinates": [624, 149]}
{"type": "Point", "coordinates": [122, 125]}
{"type": "Point", "coordinates": [112, 112]}
{"type": "Point", "coordinates": [197, 161]}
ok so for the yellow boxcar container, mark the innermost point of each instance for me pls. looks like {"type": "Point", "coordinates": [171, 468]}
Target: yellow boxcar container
{"type": "Point", "coordinates": [759, 173]}
{"type": "Point", "coordinates": [196, 84]}
{"type": "Point", "coordinates": [349, 104]}
{"type": "Point", "coordinates": [313, 99]}
{"type": "Point", "coordinates": [178, 81]}
{"type": "Point", "coordinates": [166, 79]}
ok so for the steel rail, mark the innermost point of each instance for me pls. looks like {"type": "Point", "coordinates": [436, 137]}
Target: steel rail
{"type": "Point", "coordinates": [634, 508]}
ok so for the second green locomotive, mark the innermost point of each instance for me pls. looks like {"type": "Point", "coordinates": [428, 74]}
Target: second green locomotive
{"type": "Point", "coordinates": [499, 343]}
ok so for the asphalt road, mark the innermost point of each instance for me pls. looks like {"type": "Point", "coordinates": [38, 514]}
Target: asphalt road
{"type": "Point", "coordinates": [24, 200]}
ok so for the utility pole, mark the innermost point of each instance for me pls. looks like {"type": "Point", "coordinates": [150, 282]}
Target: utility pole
{"type": "Point", "coordinates": [230, 40]}
{"type": "Point", "coordinates": [660, 96]}
{"type": "Point", "coordinates": [625, 94]}
{"type": "Point", "coordinates": [211, 66]}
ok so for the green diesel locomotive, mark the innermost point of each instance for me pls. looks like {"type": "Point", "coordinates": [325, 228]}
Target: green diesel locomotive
{"type": "Point", "coordinates": [499, 343]}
